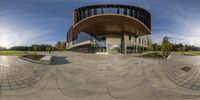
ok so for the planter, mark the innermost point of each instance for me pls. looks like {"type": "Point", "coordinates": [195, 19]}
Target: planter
{"type": "Point", "coordinates": [152, 54]}
{"type": "Point", "coordinates": [41, 59]}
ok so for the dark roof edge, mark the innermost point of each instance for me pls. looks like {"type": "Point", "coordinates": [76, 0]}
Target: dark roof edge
{"type": "Point", "coordinates": [104, 5]}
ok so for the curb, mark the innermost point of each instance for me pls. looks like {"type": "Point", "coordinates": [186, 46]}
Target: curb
{"type": "Point", "coordinates": [169, 56]}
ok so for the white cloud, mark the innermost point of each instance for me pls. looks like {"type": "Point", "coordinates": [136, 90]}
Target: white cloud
{"type": "Point", "coordinates": [10, 36]}
{"type": "Point", "coordinates": [15, 30]}
{"type": "Point", "coordinates": [179, 21]}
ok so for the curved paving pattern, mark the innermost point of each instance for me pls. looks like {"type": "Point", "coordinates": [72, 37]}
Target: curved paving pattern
{"type": "Point", "coordinates": [113, 77]}
{"type": "Point", "coordinates": [16, 73]}
{"type": "Point", "coordinates": [184, 71]}
{"type": "Point", "coordinates": [77, 76]}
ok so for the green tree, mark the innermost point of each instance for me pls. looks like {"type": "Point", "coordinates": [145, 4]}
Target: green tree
{"type": "Point", "coordinates": [51, 48]}
{"type": "Point", "coordinates": [149, 44]}
{"type": "Point", "coordinates": [35, 49]}
{"type": "Point", "coordinates": [182, 48]}
{"type": "Point", "coordinates": [156, 47]}
{"type": "Point", "coordinates": [58, 45]}
{"type": "Point", "coordinates": [63, 45]}
{"type": "Point", "coordinates": [48, 48]}
{"type": "Point", "coordinates": [166, 46]}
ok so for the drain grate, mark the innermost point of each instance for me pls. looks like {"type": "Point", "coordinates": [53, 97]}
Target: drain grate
{"type": "Point", "coordinates": [186, 69]}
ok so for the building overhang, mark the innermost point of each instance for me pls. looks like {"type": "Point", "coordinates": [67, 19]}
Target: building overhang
{"type": "Point", "coordinates": [111, 23]}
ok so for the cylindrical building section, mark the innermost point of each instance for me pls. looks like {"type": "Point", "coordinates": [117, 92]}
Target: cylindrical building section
{"type": "Point", "coordinates": [132, 11]}
{"type": "Point", "coordinates": [109, 28]}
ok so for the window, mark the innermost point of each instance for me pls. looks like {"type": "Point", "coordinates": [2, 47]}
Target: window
{"type": "Point", "coordinates": [95, 11]}
{"type": "Point", "coordinates": [130, 37]}
{"type": "Point", "coordinates": [139, 40]}
{"type": "Point", "coordinates": [133, 38]}
{"type": "Point", "coordinates": [106, 10]}
{"type": "Point", "coordinates": [78, 16]}
{"type": "Point", "coordinates": [128, 12]}
{"type": "Point", "coordinates": [92, 11]}
{"type": "Point", "coordinates": [121, 11]}
{"type": "Point", "coordinates": [113, 10]}
{"type": "Point", "coordinates": [136, 14]}
{"type": "Point", "coordinates": [133, 12]}
{"type": "Point", "coordinates": [142, 16]}
{"type": "Point", "coordinates": [86, 13]}
{"type": "Point", "coordinates": [136, 39]}
{"type": "Point", "coordinates": [89, 12]}
{"type": "Point", "coordinates": [125, 11]}
{"type": "Point", "coordinates": [99, 10]}
{"type": "Point", "coordinates": [82, 14]}
{"type": "Point", "coordinates": [117, 10]}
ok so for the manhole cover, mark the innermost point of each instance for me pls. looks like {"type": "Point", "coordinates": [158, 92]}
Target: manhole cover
{"type": "Point", "coordinates": [186, 69]}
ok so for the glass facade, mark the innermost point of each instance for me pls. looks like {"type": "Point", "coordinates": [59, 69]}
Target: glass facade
{"type": "Point", "coordinates": [81, 37]}
{"type": "Point", "coordinates": [131, 44]}
{"type": "Point", "coordinates": [131, 11]}
{"type": "Point", "coordinates": [99, 46]}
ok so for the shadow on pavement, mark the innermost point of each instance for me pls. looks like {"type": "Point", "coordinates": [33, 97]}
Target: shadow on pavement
{"type": "Point", "coordinates": [59, 60]}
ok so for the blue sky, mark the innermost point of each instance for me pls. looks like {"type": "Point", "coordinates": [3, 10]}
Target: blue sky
{"type": "Point", "coordinates": [23, 22]}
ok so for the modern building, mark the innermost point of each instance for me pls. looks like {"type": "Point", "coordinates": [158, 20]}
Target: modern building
{"type": "Point", "coordinates": [109, 28]}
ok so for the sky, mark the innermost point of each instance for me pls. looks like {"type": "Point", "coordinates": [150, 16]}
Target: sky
{"type": "Point", "coordinates": [26, 22]}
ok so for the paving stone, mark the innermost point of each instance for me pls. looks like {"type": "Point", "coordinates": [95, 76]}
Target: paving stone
{"type": "Point", "coordinates": [19, 73]}
{"type": "Point", "coordinates": [188, 79]}
{"type": "Point", "coordinates": [97, 77]}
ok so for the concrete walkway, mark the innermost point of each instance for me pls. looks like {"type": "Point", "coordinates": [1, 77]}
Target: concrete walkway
{"type": "Point", "coordinates": [77, 76]}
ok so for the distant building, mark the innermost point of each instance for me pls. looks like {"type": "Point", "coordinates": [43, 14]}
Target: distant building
{"type": "Point", "coordinates": [109, 29]}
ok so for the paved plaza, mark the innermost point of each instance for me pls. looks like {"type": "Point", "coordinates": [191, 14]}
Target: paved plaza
{"type": "Point", "coordinates": [184, 72]}
{"type": "Point", "coordinates": [79, 76]}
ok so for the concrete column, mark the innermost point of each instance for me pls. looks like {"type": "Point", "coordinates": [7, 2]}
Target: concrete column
{"type": "Point", "coordinates": [107, 48]}
{"type": "Point", "coordinates": [125, 49]}
{"type": "Point", "coordinates": [136, 47]}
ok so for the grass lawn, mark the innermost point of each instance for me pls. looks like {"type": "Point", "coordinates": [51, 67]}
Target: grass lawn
{"type": "Point", "coordinates": [193, 52]}
{"type": "Point", "coordinates": [14, 53]}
